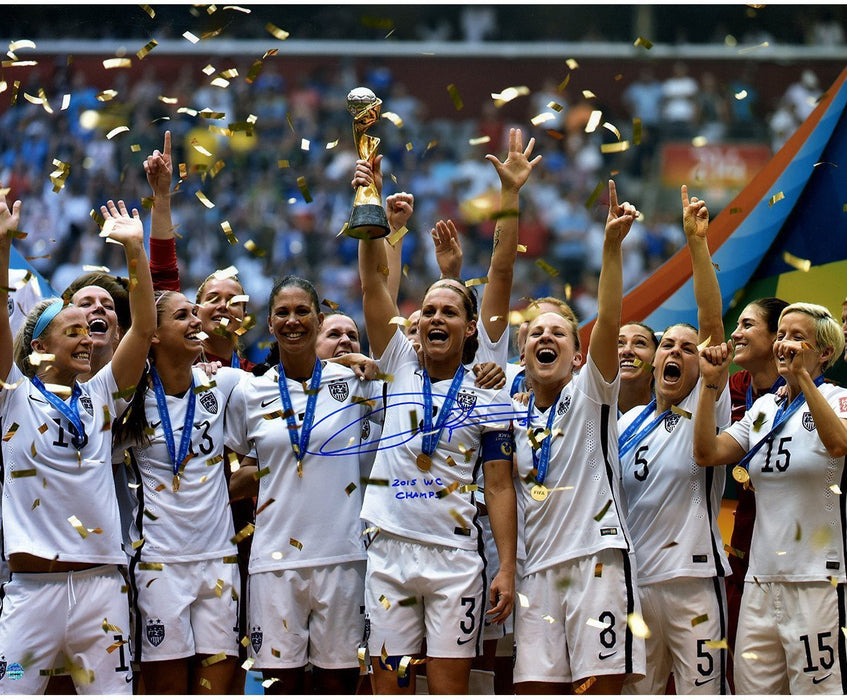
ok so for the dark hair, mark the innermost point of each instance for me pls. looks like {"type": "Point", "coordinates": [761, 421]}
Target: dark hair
{"type": "Point", "coordinates": [118, 288]}
{"type": "Point", "coordinates": [650, 332]}
{"type": "Point", "coordinates": [300, 283]}
{"type": "Point", "coordinates": [771, 309]}
{"type": "Point", "coordinates": [132, 425]}
{"type": "Point", "coordinates": [471, 311]}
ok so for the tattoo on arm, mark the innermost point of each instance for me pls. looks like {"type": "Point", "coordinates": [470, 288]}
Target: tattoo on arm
{"type": "Point", "coordinates": [497, 231]}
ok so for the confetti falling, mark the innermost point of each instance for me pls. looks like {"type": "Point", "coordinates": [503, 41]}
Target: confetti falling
{"type": "Point", "coordinates": [797, 263]}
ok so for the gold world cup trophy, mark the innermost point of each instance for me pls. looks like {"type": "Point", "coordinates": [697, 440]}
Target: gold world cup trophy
{"type": "Point", "coordinates": [368, 219]}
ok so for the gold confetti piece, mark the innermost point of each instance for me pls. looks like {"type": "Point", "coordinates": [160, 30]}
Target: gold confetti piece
{"type": "Point", "coordinates": [214, 659]}
{"type": "Point", "coordinates": [523, 601]}
{"type": "Point", "coordinates": [699, 141]}
{"type": "Point", "coordinates": [598, 570]}
{"type": "Point", "coordinates": [699, 619]}
{"type": "Point", "coordinates": [295, 543]}
{"type": "Point", "coordinates": [304, 189]}
{"type": "Point", "coordinates": [549, 618]}
{"type": "Point", "coordinates": [681, 412]}
{"type": "Point", "coordinates": [798, 263]}
{"type": "Point", "coordinates": [591, 622]}
{"type": "Point", "coordinates": [636, 131]}
{"type": "Point", "coordinates": [585, 685]}
{"type": "Point", "coordinates": [835, 489]}
{"type": "Point", "coordinates": [245, 532]}
{"type": "Point", "coordinates": [110, 63]}
{"type": "Point", "coordinates": [702, 346]}
{"type": "Point", "coordinates": [611, 127]}
{"type": "Point", "coordinates": [365, 481]}
{"type": "Point", "coordinates": [603, 511]}
{"type": "Point", "coordinates": [35, 504]}
{"type": "Point", "coordinates": [750, 49]}
{"type": "Point", "coordinates": [549, 269]}
{"type": "Point", "coordinates": [206, 202]}
{"type": "Point", "coordinates": [78, 526]}
{"type": "Point", "coordinates": [397, 235]}
{"type": "Point", "coordinates": [476, 281]}
{"type": "Point", "coordinates": [254, 249]}
{"type": "Point", "coordinates": [123, 393]}
{"type": "Point", "coordinates": [509, 94]}
{"type": "Point", "coordinates": [776, 198]}
{"type": "Point", "coordinates": [642, 41]}
{"type": "Point", "coordinates": [116, 645]}
{"type": "Point", "coordinates": [384, 602]}
{"type": "Point", "coordinates": [750, 655]}
{"type": "Point", "coordinates": [717, 644]}
{"type": "Point", "coordinates": [11, 432]}
{"type": "Point", "coordinates": [453, 91]}
{"type": "Point", "coordinates": [276, 32]}
{"type": "Point", "coordinates": [22, 473]}
{"type": "Point", "coordinates": [619, 147]}
{"type": "Point", "coordinates": [594, 194]}
{"type": "Point", "coordinates": [593, 121]}
{"type": "Point", "coordinates": [262, 473]}
{"type": "Point", "coordinates": [637, 625]}
{"type": "Point", "coordinates": [117, 130]}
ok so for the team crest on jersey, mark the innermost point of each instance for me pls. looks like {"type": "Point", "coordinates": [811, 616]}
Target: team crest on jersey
{"type": "Point", "coordinates": [256, 637]}
{"type": "Point", "coordinates": [808, 421]}
{"type": "Point", "coordinates": [366, 429]}
{"type": "Point", "coordinates": [466, 399]}
{"type": "Point", "coordinates": [155, 632]}
{"type": "Point", "coordinates": [564, 406]}
{"type": "Point", "coordinates": [670, 421]}
{"type": "Point", "coordinates": [339, 390]}
{"type": "Point", "coordinates": [209, 401]}
{"type": "Point", "coordinates": [86, 403]}
{"type": "Point", "coordinates": [2, 668]}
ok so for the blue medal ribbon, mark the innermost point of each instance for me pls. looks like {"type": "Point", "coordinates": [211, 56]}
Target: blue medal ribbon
{"type": "Point", "coordinates": [167, 427]}
{"type": "Point", "coordinates": [780, 419]}
{"type": "Point", "coordinates": [542, 461]}
{"type": "Point", "coordinates": [69, 411]}
{"type": "Point", "coordinates": [235, 362]}
{"type": "Point", "coordinates": [628, 439]}
{"type": "Point", "coordinates": [517, 383]}
{"type": "Point", "coordinates": [300, 438]}
{"type": "Point", "coordinates": [749, 402]}
{"type": "Point", "coordinates": [432, 434]}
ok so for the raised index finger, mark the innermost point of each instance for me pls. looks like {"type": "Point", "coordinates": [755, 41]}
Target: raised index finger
{"type": "Point", "coordinates": [684, 192]}
{"type": "Point", "coordinates": [613, 195]}
{"type": "Point", "coordinates": [167, 146]}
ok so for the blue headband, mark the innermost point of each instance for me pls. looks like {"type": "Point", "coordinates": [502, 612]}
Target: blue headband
{"type": "Point", "coordinates": [46, 316]}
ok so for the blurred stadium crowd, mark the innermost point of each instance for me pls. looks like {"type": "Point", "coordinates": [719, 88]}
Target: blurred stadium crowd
{"type": "Point", "coordinates": [280, 178]}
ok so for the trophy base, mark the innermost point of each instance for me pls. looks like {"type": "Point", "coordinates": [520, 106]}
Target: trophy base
{"type": "Point", "coordinates": [368, 222]}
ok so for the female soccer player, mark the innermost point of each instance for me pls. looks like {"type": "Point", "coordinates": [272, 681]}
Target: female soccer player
{"type": "Point", "coordinates": [568, 484]}
{"type": "Point", "coordinates": [426, 550]}
{"type": "Point", "coordinates": [66, 604]}
{"type": "Point", "coordinates": [637, 346]}
{"type": "Point", "coordinates": [791, 448]}
{"type": "Point", "coordinates": [184, 569]}
{"type": "Point", "coordinates": [304, 420]}
{"type": "Point", "coordinates": [672, 505]}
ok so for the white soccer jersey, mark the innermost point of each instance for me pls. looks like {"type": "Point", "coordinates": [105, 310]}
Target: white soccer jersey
{"type": "Point", "coordinates": [672, 505]}
{"type": "Point", "coordinates": [800, 510]}
{"type": "Point", "coordinates": [580, 514]}
{"type": "Point", "coordinates": [195, 521]}
{"type": "Point", "coordinates": [313, 519]}
{"type": "Point", "coordinates": [402, 499]}
{"type": "Point", "coordinates": [59, 502]}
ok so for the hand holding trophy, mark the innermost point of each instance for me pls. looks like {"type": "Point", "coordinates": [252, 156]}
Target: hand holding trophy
{"type": "Point", "coordinates": [368, 219]}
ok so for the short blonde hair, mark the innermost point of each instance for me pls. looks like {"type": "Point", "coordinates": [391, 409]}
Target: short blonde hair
{"type": "Point", "coordinates": [828, 331]}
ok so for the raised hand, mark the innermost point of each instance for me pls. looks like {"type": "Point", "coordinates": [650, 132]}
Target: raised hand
{"type": "Point", "coordinates": [448, 248]}
{"type": "Point", "coordinates": [715, 361]}
{"type": "Point", "coordinates": [695, 215]}
{"type": "Point", "coordinates": [515, 170]}
{"type": "Point", "coordinates": [119, 226]}
{"type": "Point", "coordinates": [158, 167]}
{"type": "Point", "coordinates": [399, 208]}
{"type": "Point", "coordinates": [9, 219]}
{"type": "Point", "coordinates": [621, 216]}
{"type": "Point", "coordinates": [368, 172]}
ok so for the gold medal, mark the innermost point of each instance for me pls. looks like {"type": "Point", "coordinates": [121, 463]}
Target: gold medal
{"type": "Point", "coordinates": [424, 462]}
{"type": "Point", "coordinates": [299, 468]}
{"type": "Point", "coordinates": [740, 474]}
{"type": "Point", "coordinates": [176, 483]}
{"type": "Point", "coordinates": [539, 492]}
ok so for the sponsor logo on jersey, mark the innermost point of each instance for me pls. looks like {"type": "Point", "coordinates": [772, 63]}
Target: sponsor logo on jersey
{"type": "Point", "coordinates": [86, 403]}
{"type": "Point", "coordinates": [466, 399]}
{"type": "Point", "coordinates": [699, 681]}
{"type": "Point", "coordinates": [564, 406]}
{"type": "Point", "coordinates": [700, 558]}
{"type": "Point", "coordinates": [339, 390]}
{"type": "Point", "coordinates": [815, 681]}
{"type": "Point", "coordinates": [671, 420]}
{"type": "Point", "coordinates": [256, 637]}
{"type": "Point", "coordinates": [267, 403]}
{"type": "Point", "coordinates": [608, 531]}
{"type": "Point", "coordinates": [461, 642]}
{"type": "Point", "coordinates": [16, 672]}
{"type": "Point", "coordinates": [603, 656]}
{"type": "Point", "coordinates": [155, 632]}
{"type": "Point", "coordinates": [842, 405]}
{"type": "Point", "coordinates": [808, 422]}
{"type": "Point", "coordinates": [209, 401]}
